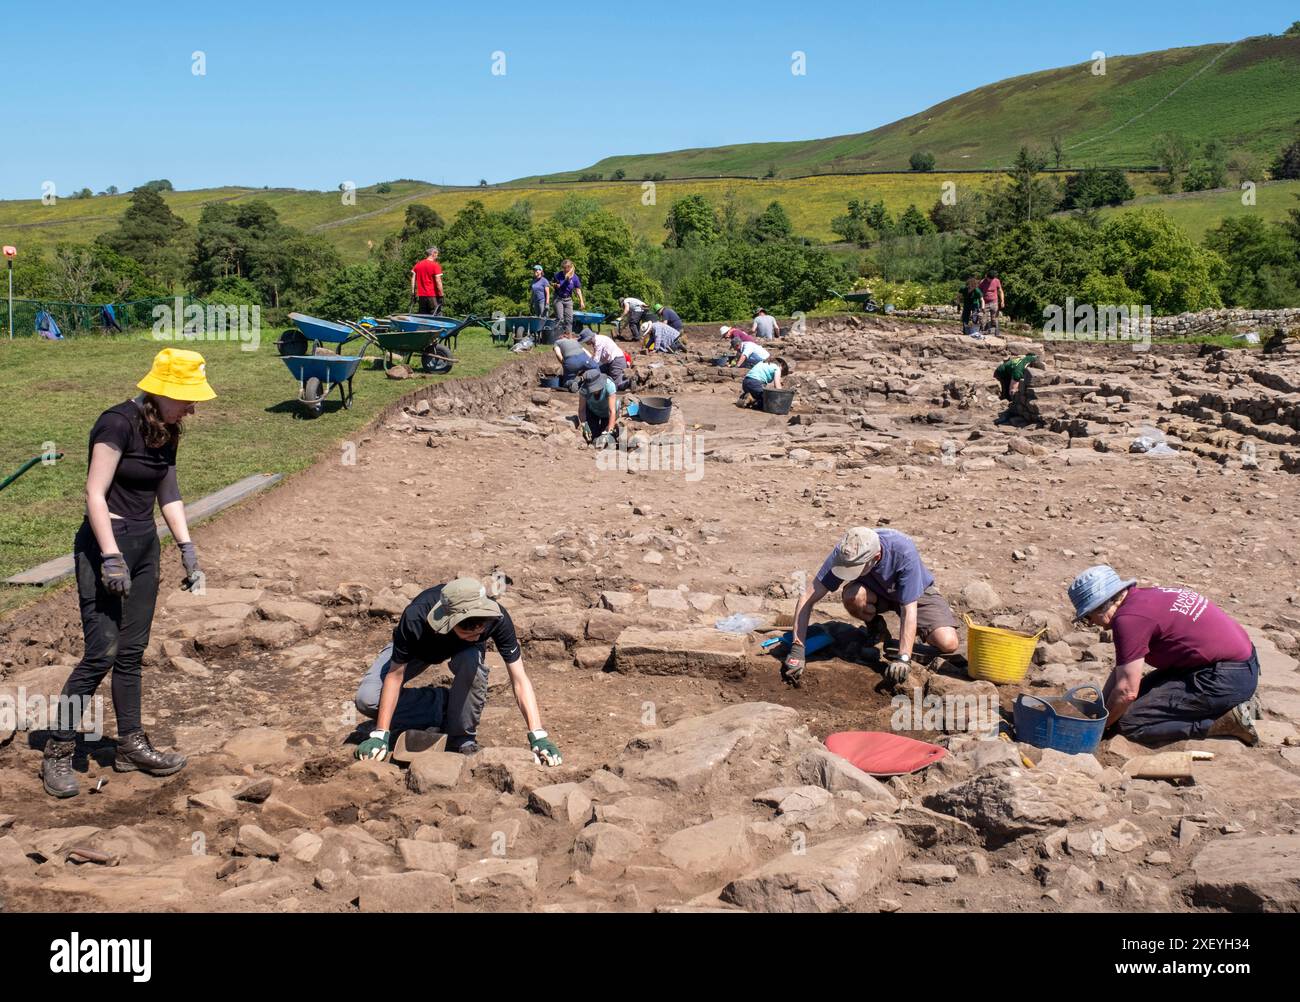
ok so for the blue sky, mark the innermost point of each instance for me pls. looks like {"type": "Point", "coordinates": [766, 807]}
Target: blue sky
{"type": "Point", "coordinates": [309, 95]}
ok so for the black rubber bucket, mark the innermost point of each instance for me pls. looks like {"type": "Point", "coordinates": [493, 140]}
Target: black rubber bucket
{"type": "Point", "coordinates": [547, 335]}
{"type": "Point", "coordinates": [654, 410]}
{"type": "Point", "coordinates": [777, 401]}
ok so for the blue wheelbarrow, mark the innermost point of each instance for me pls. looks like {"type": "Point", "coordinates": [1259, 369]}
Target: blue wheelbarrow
{"type": "Point", "coordinates": [309, 333]}
{"type": "Point", "coordinates": [317, 375]}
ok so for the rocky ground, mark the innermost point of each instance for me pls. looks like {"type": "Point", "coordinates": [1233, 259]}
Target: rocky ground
{"type": "Point", "coordinates": [692, 778]}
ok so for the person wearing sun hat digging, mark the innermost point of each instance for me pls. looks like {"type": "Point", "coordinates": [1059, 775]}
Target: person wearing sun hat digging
{"type": "Point", "coordinates": [449, 622]}
{"type": "Point", "coordinates": [1206, 668]}
{"type": "Point", "coordinates": [881, 571]}
{"type": "Point", "coordinates": [131, 467]}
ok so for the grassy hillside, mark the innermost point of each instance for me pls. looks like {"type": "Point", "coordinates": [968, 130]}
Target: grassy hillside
{"type": "Point", "coordinates": [1246, 94]}
{"type": "Point", "coordinates": [812, 203]}
{"type": "Point", "coordinates": [1199, 211]}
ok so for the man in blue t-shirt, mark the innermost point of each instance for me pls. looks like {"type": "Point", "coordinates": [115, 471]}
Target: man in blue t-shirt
{"type": "Point", "coordinates": [669, 316]}
{"type": "Point", "coordinates": [881, 571]}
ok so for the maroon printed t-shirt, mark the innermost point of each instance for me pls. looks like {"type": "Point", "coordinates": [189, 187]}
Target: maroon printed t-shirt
{"type": "Point", "coordinates": [425, 283]}
{"type": "Point", "coordinates": [1176, 628]}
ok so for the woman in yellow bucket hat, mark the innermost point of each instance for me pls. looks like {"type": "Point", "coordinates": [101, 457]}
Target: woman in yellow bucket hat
{"type": "Point", "coordinates": [131, 467]}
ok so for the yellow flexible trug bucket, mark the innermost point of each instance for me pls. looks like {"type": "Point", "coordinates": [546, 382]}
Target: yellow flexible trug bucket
{"type": "Point", "coordinates": [997, 655]}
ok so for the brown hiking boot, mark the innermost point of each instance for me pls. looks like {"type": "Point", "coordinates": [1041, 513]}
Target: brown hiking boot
{"type": "Point", "coordinates": [56, 769]}
{"type": "Point", "coordinates": [1239, 723]}
{"type": "Point", "coordinates": [134, 752]}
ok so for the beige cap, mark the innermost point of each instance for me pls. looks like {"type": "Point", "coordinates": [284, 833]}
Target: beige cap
{"type": "Point", "coordinates": [462, 599]}
{"type": "Point", "coordinates": [855, 553]}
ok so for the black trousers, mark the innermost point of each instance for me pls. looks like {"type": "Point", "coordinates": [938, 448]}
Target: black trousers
{"type": "Point", "coordinates": [430, 306]}
{"type": "Point", "coordinates": [116, 629]}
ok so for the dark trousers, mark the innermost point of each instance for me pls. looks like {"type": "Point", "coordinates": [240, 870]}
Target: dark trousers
{"type": "Point", "coordinates": [1177, 704]}
{"type": "Point", "coordinates": [116, 629]}
{"type": "Point", "coordinates": [616, 369]}
{"type": "Point", "coordinates": [598, 423]}
{"type": "Point", "coordinates": [539, 306]}
{"type": "Point", "coordinates": [455, 710]}
{"type": "Point", "coordinates": [753, 387]}
{"type": "Point", "coordinates": [431, 306]}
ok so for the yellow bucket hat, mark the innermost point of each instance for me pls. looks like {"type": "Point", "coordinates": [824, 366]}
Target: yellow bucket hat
{"type": "Point", "coordinates": [178, 374]}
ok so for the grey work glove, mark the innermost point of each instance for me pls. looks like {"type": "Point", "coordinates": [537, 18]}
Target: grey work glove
{"type": "Point", "coordinates": [190, 561]}
{"type": "Point", "coordinates": [113, 572]}
{"type": "Point", "coordinates": [792, 670]}
{"type": "Point", "coordinates": [897, 670]}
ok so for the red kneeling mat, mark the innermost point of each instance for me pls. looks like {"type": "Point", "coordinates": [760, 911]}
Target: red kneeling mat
{"type": "Point", "coordinates": [879, 754]}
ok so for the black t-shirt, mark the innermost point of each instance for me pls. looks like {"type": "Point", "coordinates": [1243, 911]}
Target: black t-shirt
{"type": "Point", "coordinates": [415, 640]}
{"type": "Point", "coordinates": [671, 318]}
{"type": "Point", "coordinates": [142, 472]}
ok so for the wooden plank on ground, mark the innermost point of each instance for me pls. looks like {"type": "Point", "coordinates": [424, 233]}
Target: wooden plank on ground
{"type": "Point", "coordinates": [61, 567]}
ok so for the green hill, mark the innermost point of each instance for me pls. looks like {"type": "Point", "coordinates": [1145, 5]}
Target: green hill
{"type": "Point", "coordinates": [1245, 94]}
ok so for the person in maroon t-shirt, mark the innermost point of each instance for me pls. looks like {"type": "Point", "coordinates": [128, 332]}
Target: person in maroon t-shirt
{"type": "Point", "coordinates": [1206, 668]}
{"type": "Point", "coordinates": [426, 284]}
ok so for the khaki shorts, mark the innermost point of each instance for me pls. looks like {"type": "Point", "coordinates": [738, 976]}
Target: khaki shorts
{"type": "Point", "coordinates": [932, 610]}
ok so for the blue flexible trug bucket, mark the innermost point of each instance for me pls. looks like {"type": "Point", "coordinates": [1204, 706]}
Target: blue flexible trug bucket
{"type": "Point", "coordinates": [1050, 723]}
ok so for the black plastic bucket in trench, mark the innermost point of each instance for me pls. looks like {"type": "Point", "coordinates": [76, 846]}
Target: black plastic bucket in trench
{"type": "Point", "coordinates": [777, 401]}
{"type": "Point", "coordinates": [654, 410]}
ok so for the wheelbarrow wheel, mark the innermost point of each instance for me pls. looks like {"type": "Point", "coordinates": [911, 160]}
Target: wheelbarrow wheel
{"type": "Point", "coordinates": [313, 395]}
{"type": "Point", "coordinates": [292, 342]}
{"type": "Point", "coordinates": [436, 358]}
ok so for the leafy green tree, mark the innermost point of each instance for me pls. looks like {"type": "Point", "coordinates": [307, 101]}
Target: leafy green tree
{"type": "Point", "coordinates": [619, 174]}
{"type": "Point", "coordinates": [691, 219]}
{"type": "Point", "coordinates": [913, 222]}
{"type": "Point", "coordinates": [864, 223]}
{"type": "Point", "coordinates": [921, 161]}
{"type": "Point", "coordinates": [1096, 186]}
{"type": "Point", "coordinates": [162, 184]}
{"type": "Point", "coordinates": [770, 224]}
{"type": "Point", "coordinates": [574, 209]}
{"type": "Point", "coordinates": [420, 219]}
{"type": "Point", "coordinates": [1028, 196]}
{"type": "Point", "coordinates": [709, 298]}
{"type": "Point", "coordinates": [1173, 155]}
{"type": "Point", "coordinates": [1159, 262]}
{"type": "Point", "coordinates": [150, 233]}
{"type": "Point", "coordinates": [1210, 170]}
{"type": "Point", "coordinates": [1287, 164]}
{"type": "Point", "coordinates": [1262, 263]}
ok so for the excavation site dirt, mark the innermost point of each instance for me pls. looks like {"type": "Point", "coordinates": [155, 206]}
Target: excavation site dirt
{"type": "Point", "coordinates": [693, 776]}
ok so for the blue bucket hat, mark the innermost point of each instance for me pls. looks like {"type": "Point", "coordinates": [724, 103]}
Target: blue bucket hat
{"type": "Point", "coordinates": [1094, 588]}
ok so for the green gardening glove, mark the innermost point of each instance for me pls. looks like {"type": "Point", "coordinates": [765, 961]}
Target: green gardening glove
{"type": "Point", "coordinates": [375, 747]}
{"type": "Point", "coordinates": [544, 750]}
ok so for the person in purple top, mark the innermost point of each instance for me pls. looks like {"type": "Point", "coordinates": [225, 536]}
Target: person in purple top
{"type": "Point", "coordinates": [1206, 667]}
{"type": "Point", "coordinates": [566, 284]}
{"type": "Point", "coordinates": [882, 572]}
{"type": "Point", "coordinates": [540, 293]}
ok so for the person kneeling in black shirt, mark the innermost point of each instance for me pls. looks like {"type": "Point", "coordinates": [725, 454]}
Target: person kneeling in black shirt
{"type": "Point", "coordinates": [450, 622]}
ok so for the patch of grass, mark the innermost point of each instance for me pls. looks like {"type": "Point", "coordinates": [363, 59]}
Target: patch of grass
{"type": "Point", "coordinates": [53, 392]}
{"type": "Point", "coordinates": [1198, 211]}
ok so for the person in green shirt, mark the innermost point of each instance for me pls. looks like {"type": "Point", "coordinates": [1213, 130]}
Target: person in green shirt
{"type": "Point", "coordinates": [1011, 373]}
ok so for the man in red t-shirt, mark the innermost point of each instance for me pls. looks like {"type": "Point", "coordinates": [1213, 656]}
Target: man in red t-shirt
{"type": "Point", "coordinates": [1206, 668]}
{"type": "Point", "coordinates": [426, 284]}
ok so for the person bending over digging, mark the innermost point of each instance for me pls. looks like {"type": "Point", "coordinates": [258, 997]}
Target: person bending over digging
{"type": "Point", "coordinates": [758, 379]}
{"type": "Point", "coordinates": [658, 336]}
{"type": "Point", "coordinates": [573, 359]}
{"type": "Point", "coordinates": [1011, 373]}
{"type": "Point", "coordinates": [450, 622]}
{"type": "Point", "coordinates": [608, 356]}
{"type": "Point", "coordinates": [881, 571]}
{"type": "Point", "coordinates": [748, 354]}
{"type": "Point", "coordinates": [1206, 668]}
{"type": "Point", "coordinates": [598, 409]}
